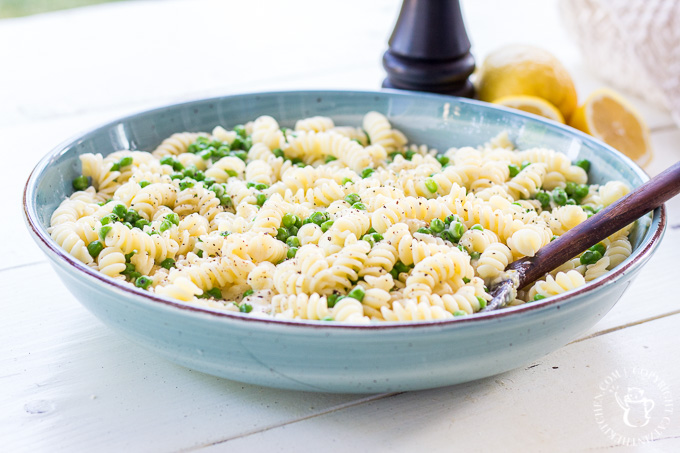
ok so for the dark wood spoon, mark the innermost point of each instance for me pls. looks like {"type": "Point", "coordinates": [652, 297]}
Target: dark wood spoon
{"type": "Point", "coordinates": [637, 203]}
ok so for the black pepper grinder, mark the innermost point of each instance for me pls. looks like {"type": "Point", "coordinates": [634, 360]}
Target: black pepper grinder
{"type": "Point", "coordinates": [429, 49]}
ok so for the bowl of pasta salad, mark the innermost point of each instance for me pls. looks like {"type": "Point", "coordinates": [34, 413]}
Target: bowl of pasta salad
{"type": "Point", "coordinates": [336, 241]}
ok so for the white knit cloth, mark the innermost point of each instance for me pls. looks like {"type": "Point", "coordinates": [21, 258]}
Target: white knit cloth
{"type": "Point", "coordinates": [632, 44]}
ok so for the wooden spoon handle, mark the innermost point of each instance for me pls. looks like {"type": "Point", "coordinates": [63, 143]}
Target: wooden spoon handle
{"type": "Point", "coordinates": [626, 210]}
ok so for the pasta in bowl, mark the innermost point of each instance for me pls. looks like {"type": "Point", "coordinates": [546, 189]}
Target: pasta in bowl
{"type": "Point", "coordinates": [340, 219]}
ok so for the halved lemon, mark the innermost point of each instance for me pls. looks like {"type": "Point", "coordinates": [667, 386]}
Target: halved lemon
{"type": "Point", "coordinates": [532, 104]}
{"type": "Point", "coordinates": [606, 115]}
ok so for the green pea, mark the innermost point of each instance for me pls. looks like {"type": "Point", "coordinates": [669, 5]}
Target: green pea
{"type": "Point", "coordinates": [514, 170]}
{"type": "Point", "coordinates": [326, 225]}
{"type": "Point", "coordinates": [559, 196]}
{"type": "Point", "coordinates": [278, 152]}
{"type": "Point", "coordinates": [141, 223]}
{"type": "Point", "coordinates": [108, 219]}
{"type": "Point", "coordinates": [584, 164]}
{"type": "Point", "coordinates": [477, 227]}
{"type": "Point", "coordinates": [248, 292]}
{"type": "Point", "coordinates": [457, 228]}
{"type": "Point", "coordinates": [539, 297]}
{"type": "Point", "coordinates": [103, 231]}
{"type": "Point", "coordinates": [225, 201]}
{"type": "Point", "coordinates": [447, 235]}
{"type": "Point", "coordinates": [431, 185]}
{"type": "Point", "coordinates": [581, 191]}
{"type": "Point", "coordinates": [261, 186]}
{"type": "Point", "coordinates": [571, 202]}
{"type": "Point", "coordinates": [144, 183]}
{"type": "Point", "coordinates": [482, 302]}
{"type": "Point", "coordinates": [131, 216]}
{"type": "Point", "coordinates": [359, 206]}
{"type": "Point", "coordinates": [408, 155]}
{"type": "Point", "coordinates": [125, 161]}
{"type": "Point", "coordinates": [357, 293]}
{"type": "Point", "coordinates": [290, 220]}
{"type": "Point", "coordinates": [168, 263]}
{"type": "Point", "coordinates": [599, 247]}
{"type": "Point", "coordinates": [395, 274]}
{"type": "Point", "coordinates": [330, 159]}
{"type": "Point", "coordinates": [173, 217]}
{"type": "Point", "coordinates": [206, 154]}
{"type": "Point", "coordinates": [240, 129]}
{"type": "Point", "coordinates": [368, 238]}
{"type": "Point", "coordinates": [451, 218]}
{"type": "Point", "coordinates": [167, 160]}
{"type": "Point", "coordinates": [95, 247]}
{"type": "Point", "coordinates": [424, 230]}
{"type": "Point", "coordinates": [260, 198]}
{"type": "Point", "coordinates": [459, 313]}
{"type": "Point", "coordinates": [401, 267]}
{"type": "Point", "coordinates": [282, 234]}
{"type": "Point", "coordinates": [143, 282]}
{"type": "Point", "coordinates": [352, 198]}
{"type": "Point", "coordinates": [293, 241]}
{"type": "Point", "coordinates": [443, 160]}
{"type": "Point", "coordinates": [332, 299]}
{"type": "Point", "coordinates": [367, 172]}
{"type": "Point", "coordinates": [544, 198]}
{"type": "Point", "coordinates": [319, 217]}
{"type": "Point", "coordinates": [293, 231]}
{"type": "Point", "coordinates": [215, 293]}
{"type": "Point", "coordinates": [377, 237]}
{"type": "Point", "coordinates": [209, 182]}
{"type": "Point", "coordinates": [590, 257]}
{"type": "Point", "coordinates": [166, 225]}
{"type": "Point", "coordinates": [218, 189]}
{"type": "Point", "coordinates": [186, 184]}
{"type": "Point", "coordinates": [199, 176]}
{"type": "Point", "coordinates": [176, 176]}
{"type": "Point", "coordinates": [120, 211]}
{"type": "Point", "coordinates": [245, 308]}
{"type": "Point", "coordinates": [346, 181]}
{"type": "Point", "coordinates": [81, 183]}
{"type": "Point", "coordinates": [291, 252]}
{"type": "Point", "coordinates": [553, 238]}
{"type": "Point", "coordinates": [570, 188]}
{"type": "Point", "coordinates": [231, 173]}
{"type": "Point", "coordinates": [590, 210]}
{"type": "Point", "coordinates": [475, 255]}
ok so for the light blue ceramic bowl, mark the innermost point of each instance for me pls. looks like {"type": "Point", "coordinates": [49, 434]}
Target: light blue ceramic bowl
{"type": "Point", "coordinates": [324, 357]}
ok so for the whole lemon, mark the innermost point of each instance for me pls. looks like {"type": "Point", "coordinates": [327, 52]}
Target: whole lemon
{"type": "Point", "coordinates": [526, 70]}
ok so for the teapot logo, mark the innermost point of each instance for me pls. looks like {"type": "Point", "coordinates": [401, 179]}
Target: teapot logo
{"type": "Point", "coordinates": [636, 407]}
{"type": "Point", "coordinates": [633, 406]}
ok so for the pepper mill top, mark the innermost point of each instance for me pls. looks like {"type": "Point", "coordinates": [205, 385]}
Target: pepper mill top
{"type": "Point", "coordinates": [429, 49]}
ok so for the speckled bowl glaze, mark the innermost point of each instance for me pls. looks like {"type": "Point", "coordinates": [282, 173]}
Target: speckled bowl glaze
{"type": "Point", "coordinates": [322, 356]}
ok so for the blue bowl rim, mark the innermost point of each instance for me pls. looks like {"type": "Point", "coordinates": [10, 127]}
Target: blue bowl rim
{"type": "Point", "coordinates": [40, 235]}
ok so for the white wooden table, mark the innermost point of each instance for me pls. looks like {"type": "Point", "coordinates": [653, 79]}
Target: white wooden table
{"type": "Point", "coordinates": [68, 383]}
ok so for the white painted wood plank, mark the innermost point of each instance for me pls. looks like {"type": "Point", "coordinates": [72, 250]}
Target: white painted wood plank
{"type": "Point", "coordinates": [68, 383]}
{"type": "Point", "coordinates": [550, 405]}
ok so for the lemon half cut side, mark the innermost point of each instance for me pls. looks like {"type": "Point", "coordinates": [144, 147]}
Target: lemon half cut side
{"type": "Point", "coordinates": [606, 115]}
